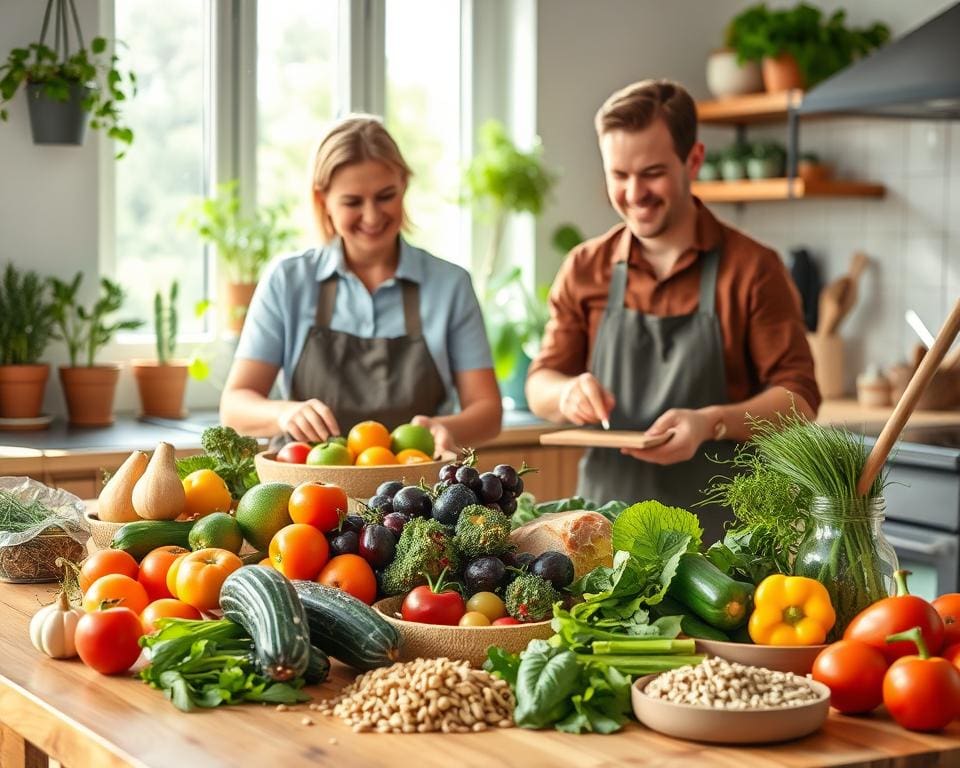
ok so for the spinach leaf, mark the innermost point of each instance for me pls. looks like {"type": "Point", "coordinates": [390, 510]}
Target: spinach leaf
{"type": "Point", "coordinates": [546, 679]}
{"type": "Point", "coordinates": [604, 704]}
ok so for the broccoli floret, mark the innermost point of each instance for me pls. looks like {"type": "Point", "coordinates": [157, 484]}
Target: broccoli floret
{"type": "Point", "coordinates": [482, 531]}
{"type": "Point", "coordinates": [424, 549]}
{"type": "Point", "coordinates": [233, 454]}
{"type": "Point", "coordinates": [530, 598]}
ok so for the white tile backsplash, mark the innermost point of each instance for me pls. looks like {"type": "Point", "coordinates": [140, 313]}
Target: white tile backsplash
{"type": "Point", "coordinates": [926, 147]}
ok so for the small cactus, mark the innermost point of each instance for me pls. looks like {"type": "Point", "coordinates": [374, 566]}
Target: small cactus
{"type": "Point", "coordinates": [165, 324]}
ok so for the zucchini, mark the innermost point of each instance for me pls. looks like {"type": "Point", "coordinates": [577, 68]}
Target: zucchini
{"type": "Point", "coordinates": [265, 604]}
{"type": "Point", "coordinates": [690, 625]}
{"type": "Point", "coordinates": [144, 536]}
{"type": "Point", "coordinates": [712, 595]}
{"type": "Point", "coordinates": [347, 628]}
{"type": "Point", "coordinates": [318, 668]}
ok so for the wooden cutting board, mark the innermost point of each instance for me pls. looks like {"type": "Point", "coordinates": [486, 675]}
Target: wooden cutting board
{"type": "Point", "coordinates": [602, 438]}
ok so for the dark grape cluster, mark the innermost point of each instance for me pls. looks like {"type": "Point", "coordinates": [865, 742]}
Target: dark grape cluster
{"type": "Point", "coordinates": [498, 488]}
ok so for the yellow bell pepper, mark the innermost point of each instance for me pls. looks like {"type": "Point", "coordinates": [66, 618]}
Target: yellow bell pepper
{"type": "Point", "coordinates": [791, 610]}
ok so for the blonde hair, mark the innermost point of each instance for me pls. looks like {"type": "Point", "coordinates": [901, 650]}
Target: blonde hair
{"type": "Point", "coordinates": [354, 139]}
{"type": "Point", "coordinates": [635, 107]}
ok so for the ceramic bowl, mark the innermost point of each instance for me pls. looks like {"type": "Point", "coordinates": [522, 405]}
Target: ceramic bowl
{"type": "Point", "coordinates": [782, 658]}
{"type": "Point", "coordinates": [726, 726]}
{"type": "Point", "coordinates": [432, 641]}
{"type": "Point", "coordinates": [101, 531]}
{"type": "Point", "coordinates": [358, 482]}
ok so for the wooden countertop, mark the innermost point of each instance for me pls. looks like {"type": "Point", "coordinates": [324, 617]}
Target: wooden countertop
{"type": "Point", "coordinates": [86, 720]}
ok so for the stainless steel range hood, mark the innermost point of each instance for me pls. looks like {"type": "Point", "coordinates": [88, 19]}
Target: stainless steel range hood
{"type": "Point", "coordinates": [915, 76]}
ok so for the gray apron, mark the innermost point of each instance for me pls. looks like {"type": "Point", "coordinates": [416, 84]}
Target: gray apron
{"type": "Point", "coordinates": [652, 364]}
{"type": "Point", "coordinates": [387, 380]}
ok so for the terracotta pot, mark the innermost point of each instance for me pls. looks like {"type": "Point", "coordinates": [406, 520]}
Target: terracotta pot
{"type": "Point", "coordinates": [238, 299]}
{"type": "Point", "coordinates": [89, 392]}
{"type": "Point", "coordinates": [21, 390]}
{"type": "Point", "coordinates": [161, 387]}
{"type": "Point", "coordinates": [725, 77]}
{"type": "Point", "coordinates": [812, 172]}
{"type": "Point", "coordinates": [781, 73]}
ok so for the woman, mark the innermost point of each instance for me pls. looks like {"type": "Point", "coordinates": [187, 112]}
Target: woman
{"type": "Point", "coordinates": [366, 326]}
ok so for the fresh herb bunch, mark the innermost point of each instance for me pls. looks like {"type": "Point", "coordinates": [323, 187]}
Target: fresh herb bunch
{"type": "Point", "coordinates": [26, 316]}
{"type": "Point", "coordinates": [17, 516]}
{"type": "Point", "coordinates": [227, 453]}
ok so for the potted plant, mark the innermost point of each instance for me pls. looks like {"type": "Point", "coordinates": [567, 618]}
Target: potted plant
{"type": "Point", "coordinates": [245, 243]}
{"type": "Point", "coordinates": [26, 327]}
{"type": "Point", "coordinates": [798, 47]}
{"type": "Point", "coordinates": [728, 76]}
{"type": "Point", "coordinates": [733, 162]}
{"type": "Point", "coordinates": [710, 170]}
{"type": "Point", "coordinates": [162, 383]}
{"type": "Point", "coordinates": [811, 169]}
{"type": "Point", "coordinates": [767, 160]}
{"type": "Point", "coordinates": [88, 388]}
{"type": "Point", "coordinates": [66, 88]}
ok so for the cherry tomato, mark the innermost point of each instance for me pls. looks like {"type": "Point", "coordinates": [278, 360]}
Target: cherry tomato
{"type": "Point", "coordinates": [163, 608]}
{"type": "Point", "coordinates": [433, 604]}
{"type": "Point", "coordinates": [317, 504]}
{"type": "Point", "coordinates": [294, 453]}
{"type": "Point", "coordinates": [893, 615]}
{"type": "Point", "coordinates": [116, 590]}
{"type": "Point", "coordinates": [921, 692]}
{"type": "Point", "coordinates": [154, 568]}
{"type": "Point", "coordinates": [473, 619]}
{"type": "Point", "coordinates": [107, 640]}
{"type": "Point", "coordinates": [105, 562]}
{"type": "Point", "coordinates": [201, 574]}
{"type": "Point", "coordinates": [299, 551]}
{"type": "Point", "coordinates": [506, 621]}
{"type": "Point", "coordinates": [853, 671]}
{"type": "Point", "coordinates": [948, 606]}
{"type": "Point", "coordinates": [353, 575]}
{"type": "Point", "coordinates": [489, 604]}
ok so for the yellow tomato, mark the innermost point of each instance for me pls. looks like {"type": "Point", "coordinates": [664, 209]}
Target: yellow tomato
{"type": "Point", "coordinates": [206, 493]}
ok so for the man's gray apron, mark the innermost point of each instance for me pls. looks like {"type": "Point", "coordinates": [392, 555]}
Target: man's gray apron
{"type": "Point", "coordinates": [387, 380]}
{"type": "Point", "coordinates": [652, 364]}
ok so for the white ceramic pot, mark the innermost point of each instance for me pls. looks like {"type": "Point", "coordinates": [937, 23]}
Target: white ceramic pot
{"type": "Point", "coordinates": [725, 77]}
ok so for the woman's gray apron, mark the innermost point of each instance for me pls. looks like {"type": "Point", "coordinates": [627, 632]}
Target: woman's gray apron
{"type": "Point", "coordinates": [387, 380]}
{"type": "Point", "coordinates": [652, 364]}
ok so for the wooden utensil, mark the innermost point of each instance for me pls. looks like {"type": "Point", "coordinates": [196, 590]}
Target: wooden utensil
{"type": "Point", "coordinates": [908, 401]}
{"type": "Point", "coordinates": [595, 438]}
{"type": "Point", "coordinates": [838, 296]}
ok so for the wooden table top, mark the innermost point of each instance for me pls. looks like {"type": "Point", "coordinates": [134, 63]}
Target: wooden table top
{"type": "Point", "coordinates": [86, 720]}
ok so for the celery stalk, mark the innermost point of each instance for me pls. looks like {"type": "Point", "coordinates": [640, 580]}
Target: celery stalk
{"type": "Point", "coordinates": [643, 646]}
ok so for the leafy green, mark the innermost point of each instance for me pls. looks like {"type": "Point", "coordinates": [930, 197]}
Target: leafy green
{"type": "Point", "coordinates": [528, 509]}
{"type": "Point", "coordinates": [546, 679]}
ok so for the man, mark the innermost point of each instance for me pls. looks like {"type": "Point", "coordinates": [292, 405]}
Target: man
{"type": "Point", "coordinates": [671, 322]}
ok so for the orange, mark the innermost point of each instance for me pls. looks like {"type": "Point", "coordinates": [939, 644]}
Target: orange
{"type": "Point", "coordinates": [367, 434]}
{"type": "Point", "coordinates": [412, 456]}
{"type": "Point", "coordinates": [206, 492]}
{"type": "Point", "coordinates": [376, 456]}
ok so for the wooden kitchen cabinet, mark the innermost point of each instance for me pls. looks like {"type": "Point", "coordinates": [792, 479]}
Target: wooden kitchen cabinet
{"type": "Point", "coordinates": [557, 475]}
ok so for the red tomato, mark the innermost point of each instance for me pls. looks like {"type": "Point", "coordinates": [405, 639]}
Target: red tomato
{"type": "Point", "coordinates": [164, 608]}
{"type": "Point", "coordinates": [921, 692]}
{"type": "Point", "coordinates": [433, 604]}
{"type": "Point", "coordinates": [893, 615]}
{"type": "Point", "coordinates": [353, 575]}
{"type": "Point", "coordinates": [317, 504]}
{"type": "Point", "coordinates": [506, 621]}
{"type": "Point", "coordinates": [115, 590]}
{"type": "Point", "coordinates": [107, 641]}
{"type": "Point", "coordinates": [853, 671]}
{"type": "Point", "coordinates": [948, 606]}
{"type": "Point", "coordinates": [200, 575]}
{"type": "Point", "coordinates": [952, 654]}
{"type": "Point", "coordinates": [294, 453]}
{"type": "Point", "coordinates": [154, 568]}
{"type": "Point", "coordinates": [299, 551]}
{"type": "Point", "coordinates": [105, 562]}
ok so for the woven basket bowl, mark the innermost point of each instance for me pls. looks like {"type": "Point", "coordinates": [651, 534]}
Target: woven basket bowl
{"type": "Point", "coordinates": [101, 531]}
{"type": "Point", "coordinates": [433, 641]}
{"type": "Point", "coordinates": [358, 482]}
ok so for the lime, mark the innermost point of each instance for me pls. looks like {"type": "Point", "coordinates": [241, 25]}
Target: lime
{"type": "Point", "coordinates": [329, 454]}
{"type": "Point", "coordinates": [218, 530]}
{"type": "Point", "coordinates": [408, 436]}
{"type": "Point", "coordinates": [262, 512]}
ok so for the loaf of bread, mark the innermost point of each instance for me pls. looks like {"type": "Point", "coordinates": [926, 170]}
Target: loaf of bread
{"type": "Point", "coordinates": [584, 537]}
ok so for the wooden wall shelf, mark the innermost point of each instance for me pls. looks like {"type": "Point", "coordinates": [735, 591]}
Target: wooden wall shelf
{"type": "Point", "coordinates": [779, 189]}
{"type": "Point", "coordinates": [752, 108]}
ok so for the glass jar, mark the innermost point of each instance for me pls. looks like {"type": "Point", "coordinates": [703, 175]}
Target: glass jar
{"type": "Point", "coordinates": [845, 550]}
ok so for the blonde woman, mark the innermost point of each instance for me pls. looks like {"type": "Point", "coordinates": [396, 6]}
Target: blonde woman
{"type": "Point", "coordinates": [365, 326]}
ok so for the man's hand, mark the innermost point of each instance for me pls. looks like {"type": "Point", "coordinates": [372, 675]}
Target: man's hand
{"type": "Point", "coordinates": [311, 421]}
{"type": "Point", "coordinates": [443, 441]}
{"type": "Point", "coordinates": [690, 429]}
{"type": "Point", "coordinates": [584, 401]}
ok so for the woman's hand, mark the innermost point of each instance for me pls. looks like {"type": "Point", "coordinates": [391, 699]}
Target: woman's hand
{"type": "Point", "coordinates": [443, 441]}
{"type": "Point", "coordinates": [690, 429]}
{"type": "Point", "coordinates": [311, 421]}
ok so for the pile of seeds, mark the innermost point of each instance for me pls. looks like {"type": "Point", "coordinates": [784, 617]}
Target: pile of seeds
{"type": "Point", "coordinates": [721, 685]}
{"type": "Point", "coordinates": [422, 696]}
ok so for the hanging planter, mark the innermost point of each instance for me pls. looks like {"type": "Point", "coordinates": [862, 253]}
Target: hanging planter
{"type": "Point", "coordinates": [57, 122]}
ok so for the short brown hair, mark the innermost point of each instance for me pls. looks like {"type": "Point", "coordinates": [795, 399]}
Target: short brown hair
{"type": "Point", "coordinates": [354, 139]}
{"type": "Point", "coordinates": [635, 107]}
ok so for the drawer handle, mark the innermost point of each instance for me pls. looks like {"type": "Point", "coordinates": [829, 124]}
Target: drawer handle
{"type": "Point", "coordinates": [920, 548]}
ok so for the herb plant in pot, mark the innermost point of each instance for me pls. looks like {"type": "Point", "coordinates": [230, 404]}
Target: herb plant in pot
{"type": "Point", "coordinates": [89, 388]}
{"type": "Point", "coordinates": [733, 162]}
{"type": "Point", "coordinates": [767, 160]}
{"type": "Point", "coordinates": [710, 169]}
{"type": "Point", "coordinates": [26, 328]}
{"type": "Point", "coordinates": [162, 383]}
{"type": "Point", "coordinates": [811, 168]}
{"type": "Point", "coordinates": [727, 76]}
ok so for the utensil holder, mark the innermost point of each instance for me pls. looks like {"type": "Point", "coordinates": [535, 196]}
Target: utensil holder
{"type": "Point", "coordinates": [828, 367]}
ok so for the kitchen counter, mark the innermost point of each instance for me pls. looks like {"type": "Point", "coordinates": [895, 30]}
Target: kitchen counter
{"type": "Point", "coordinates": [85, 720]}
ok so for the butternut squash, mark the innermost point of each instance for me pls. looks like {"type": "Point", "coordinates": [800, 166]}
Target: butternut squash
{"type": "Point", "coordinates": [115, 504]}
{"type": "Point", "coordinates": [159, 494]}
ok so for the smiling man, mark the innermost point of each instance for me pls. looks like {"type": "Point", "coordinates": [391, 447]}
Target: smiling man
{"type": "Point", "coordinates": [671, 322]}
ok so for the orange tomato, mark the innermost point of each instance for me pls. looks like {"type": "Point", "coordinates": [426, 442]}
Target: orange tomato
{"type": "Point", "coordinates": [164, 608]}
{"type": "Point", "coordinates": [299, 551]}
{"type": "Point", "coordinates": [200, 575]}
{"type": "Point", "coordinates": [206, 493]}
{"type": "Point", "coordinates": [317, 504]}
{"type": "Point", "coordinates": [412, 456]}
{"type": "Point", "coordinates": [376, 457]}
{"type": "Point", "coordinates": [367, 434]}
{"type": "Point", "coordinates": [353, 575]}
{"type": "Point", "coordinates": [266, 562]}
{"type": "Point", "coordinates": [154, 568]}
{"type": "Point", "coordinates": [117, 589]}
{"type": "Point", "coordinates": [104, 562]}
